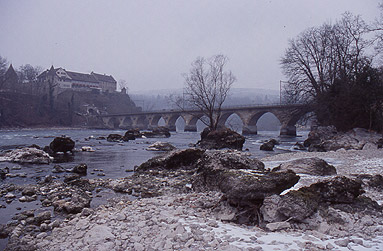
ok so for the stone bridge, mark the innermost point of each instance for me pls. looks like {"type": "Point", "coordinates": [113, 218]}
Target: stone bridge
{"type": "Point", "coordinates": [288, 115]}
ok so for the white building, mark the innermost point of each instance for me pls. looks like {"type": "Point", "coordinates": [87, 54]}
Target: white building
{"type": "Point", "coordinates": [61, 79]}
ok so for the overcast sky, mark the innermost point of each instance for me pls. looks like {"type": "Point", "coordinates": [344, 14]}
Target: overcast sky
{"type": "Point", "coordinates": [151, 43]}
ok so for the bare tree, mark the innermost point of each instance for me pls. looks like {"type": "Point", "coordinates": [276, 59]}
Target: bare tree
{"type": "Point", "coordinates": [329, 67]}
{"type": "Point", "coordinates": [3, 66]}
{"type": "Point", "coordinates": [321, 55]}
{"type": "Point", "coordinates": [377, 28]}
{"type": "Point", "coordinates": [29, 73]}
{"type": "Point", "coordinates": [207, 86]}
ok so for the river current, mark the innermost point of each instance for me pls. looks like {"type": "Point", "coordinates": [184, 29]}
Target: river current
{"type": "Point", "coordinates": [109, 159]}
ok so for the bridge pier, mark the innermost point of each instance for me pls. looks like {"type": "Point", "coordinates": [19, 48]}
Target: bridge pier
{"type": "Point", "coordinates": [190, 128]}
{"type": "Point", "coordinates": [249, 130]}
{"type": "Point", "coordinates": [288, 131]}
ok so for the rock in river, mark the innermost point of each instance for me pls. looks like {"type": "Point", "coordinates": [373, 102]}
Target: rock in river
{"type": "Point", "coordinates": [159, 132]}
{"type": "Point", "coordinates": [27, 155]}
{"type": "Point", "coordinates": [161, 146]}
{"type": "Point", "coordinates": [115, 138]}
{"type": "Point", "coordinates": [221, 138]}
{"type": "Point", "coordinates": [80, 169]}
{"type": "Point", "coordinates": [269, 145]}
{"type": "Point", "coordinates": [62, 144]}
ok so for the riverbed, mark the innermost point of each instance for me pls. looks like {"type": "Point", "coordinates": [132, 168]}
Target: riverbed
{"type": "Point", "coordinates": [108, 160]}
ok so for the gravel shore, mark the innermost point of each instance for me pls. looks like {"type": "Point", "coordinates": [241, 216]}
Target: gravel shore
{"type": "Point", "coordinates": [182, 222]}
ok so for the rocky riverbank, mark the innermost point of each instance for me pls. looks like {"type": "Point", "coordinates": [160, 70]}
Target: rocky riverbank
{"type": "Point", "coordinates": [185, 210]}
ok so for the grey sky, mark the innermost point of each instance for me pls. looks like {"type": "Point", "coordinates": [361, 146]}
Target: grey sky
{"type": "Point", "coordinates": [151, 43]}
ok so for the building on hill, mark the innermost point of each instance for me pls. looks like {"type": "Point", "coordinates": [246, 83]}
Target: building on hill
{"type": "Point", "coordinates": [61, 80]}
{"type": "Point", "coordinates": [106, 82]}
{"type": "Point", "coordinates": [10, 80]}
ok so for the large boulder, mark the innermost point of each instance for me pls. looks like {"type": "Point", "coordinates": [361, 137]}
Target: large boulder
{"type": "Point", "coordinates": [221, 138]}
{"type": "Point", "coordinates": [178, 159]}
{"type": "Point", "coordinates": [298, 205]}
{"type": "Point", "coordinates": [27, 155]}
{"type": "Point", "coordinates": [245, 187]}
{"type": "Point", "coordinates": [218, 159]}
{"type": "Point", "coordinates": [318, 134]}
{"type": "Point", "coordinates": [80, 169]}
{"type": "Point", "coordinates": [161, 146]}
{"type": "Point", "coordinates": [115, 138]}
{"type": "Point", "coordinates": [159, 132]}
{"type": "Point", "coordinates": [322, 139]}
{"type": "Point", "coordinates": [62, 144]}
{"type": "Point", "coordinates": [312, 166]}
{"type": "Point", "coordinates": [269, 145]}
{"type": "Point", "coordinates": [243, 180]}
{"type": "Point", "coordinates": [132, 134]}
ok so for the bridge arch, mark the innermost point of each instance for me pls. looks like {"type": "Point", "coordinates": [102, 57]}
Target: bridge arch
{"type": "Point", "coordinates": [153, 121]}
{"type": "Point", "coordinates": [232, 120]}
{"type": "Point", "coordinates": [250, 125]}
{"type": "Point", "coordinates": [191, 122]}
{"type": "Point", "coordinates": [141, 122]}
{"type": "Point", "coordinates": [170, 121]}
{"type": "Point", "coordinates": [127, 123]}
{"type": "Point", "coordinates": [114, 123]}
{"type": "Point", "coordinates": [289, 127]}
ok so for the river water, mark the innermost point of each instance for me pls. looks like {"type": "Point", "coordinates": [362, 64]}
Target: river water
{"type": "Point", "coordinates": [109, 160]}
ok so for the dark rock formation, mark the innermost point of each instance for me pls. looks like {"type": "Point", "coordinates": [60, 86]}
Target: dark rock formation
{"type": "Point", "coordinates": [322, 139]}
{"type": "Point", "coordinates": [62, 144]}
{"type": "Point", "coordinates": [159, 132]}
{"type": "Point", "coordinates": [243, 180]}
{"type": "Point", "coordinates": [115, 138]}
{"type": "Point", "coordinates": [300, 204]}
{"type": "Point", "coordinates": [80, 169]}
{"type": "Point", "coordinates": [58, 169]}
{"type": "Point", "coordinates": [161, 146]}
{"type": "Point", "coordinates": [132, 134]}
{"type": "Point", "coordinates": [213, 160]}
{"type": "Point", "coordinates": [380, 143]}
{"type": "Point", "coordinates": [245, 188]}
{"type": "Point", "coordinates": [318, 134]}
{"type": "Point", "coordinates": [3, 173]}
{"type": "Point", "coordinates": [312, 166]}
{"type": "Point", "coordinates": [29, 190]}
{"type": "Point", "coordinates": [269, 145]}
{"type": "Point", "coordinates": [221, 138]}
{"type": "Point", "coordinates": [179, 159]}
